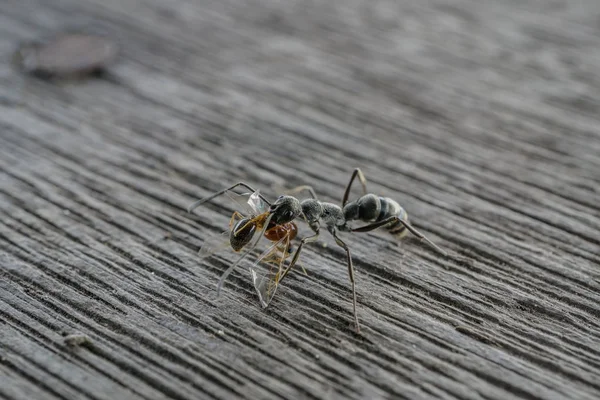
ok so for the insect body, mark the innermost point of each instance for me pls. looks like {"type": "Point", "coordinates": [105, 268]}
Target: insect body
{"type": "Point", "coordinates": [375, 210]}
{"type": "Point", "coordinates": [278, 232]}
{"type": "Point", "coordinates": [242, 233]}
{"type": "Point", "coordinates": [276, 224]}
{"type": "Point", "coordinates": [272, 221]}
{"type": "Point", "coordinates": [372, 208]}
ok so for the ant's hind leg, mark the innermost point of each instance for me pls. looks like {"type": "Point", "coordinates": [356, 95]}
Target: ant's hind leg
{"type": "Point", "coordinates": [418, 234]}
{"type": "Point", "coordinates": [411, 229]}
{"type": "Point", "coordinates": [363, 182]}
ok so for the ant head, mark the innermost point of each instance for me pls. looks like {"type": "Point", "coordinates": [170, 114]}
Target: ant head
{"type": "Point", "coordinates": [285, 209]}
{"type": "Point", "coordinates": [312, 210]}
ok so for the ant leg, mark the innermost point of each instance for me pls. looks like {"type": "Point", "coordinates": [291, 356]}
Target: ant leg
{"type": "Point", "coordinates": [350, 274]}
{"type": "Point", "coordinates": [363, 182]}
{"type": "Point", "coordinates": [307, 239]}
{"type": "Point", "coordinates": [375, 225]}
{"type": "Point", "coordinates": [290, 252]}
{"type": "Point", "coordinates": [204, 200]}
{"type": "Point", "coordinates": [298, 189]}
{"type": "Point", "coordinates": [411, 229]}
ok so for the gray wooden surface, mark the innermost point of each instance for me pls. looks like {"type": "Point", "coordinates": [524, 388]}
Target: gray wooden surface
{"type": "Point", "coordinates": [480, 117]}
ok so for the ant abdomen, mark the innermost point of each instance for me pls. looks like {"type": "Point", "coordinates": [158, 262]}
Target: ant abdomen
{"type": "Point", "coordinates": [373, 208]}
{"type": "Point", "coordinates": [396, 227]}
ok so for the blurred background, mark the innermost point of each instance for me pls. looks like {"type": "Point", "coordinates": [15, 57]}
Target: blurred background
{"type": "Point", "coordinates": [479, 117]}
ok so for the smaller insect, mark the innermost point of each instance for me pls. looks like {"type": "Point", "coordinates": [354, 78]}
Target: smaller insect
{"type": "Point", "coordinates": [271, 221]}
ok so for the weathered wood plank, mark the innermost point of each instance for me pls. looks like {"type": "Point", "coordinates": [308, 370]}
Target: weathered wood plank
{"type": "Point", "coordinates": [480, 118]}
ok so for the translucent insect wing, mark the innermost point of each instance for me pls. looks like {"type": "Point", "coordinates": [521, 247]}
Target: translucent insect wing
{"type": "Point", "coordinates": [214, 244]}
{"type": "Point", "coordinates": [266, 271]}
{"type": "Point", "coordinates": [249, 249]}
{"type": "Point", "coordinates": [257, 204]}
{"type": "Point", "coordinates": [241, 201]}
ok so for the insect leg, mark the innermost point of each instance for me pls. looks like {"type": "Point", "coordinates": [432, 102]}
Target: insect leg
{"type": "Point", "coordinates": [212, 196]}
{"type": "Point", "coordinates": [411, 229]}
{"type": "Point", "coordinates": [363, 182]}
{"type": "Point", "coordinates": [350, 274]}
{"type": "Point", "coordinates": [375, 225]}
{"type": "Point", "coordinates": [307, 239]}
{"type": "Point", "coordinates": [235, 215]}
{"type": "Point", "coordinates": [288, 253]}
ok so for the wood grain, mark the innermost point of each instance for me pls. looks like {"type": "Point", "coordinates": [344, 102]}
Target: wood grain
{"type": "Point", "coordinates": [480, 118]}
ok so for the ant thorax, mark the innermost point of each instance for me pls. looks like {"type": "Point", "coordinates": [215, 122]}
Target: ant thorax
{"type": "Point", "coordinates": [332, 215]}
{"type": "Point", "coordinates": [329, 214]}
{"type": "Point", "coordinates": [312, 210]}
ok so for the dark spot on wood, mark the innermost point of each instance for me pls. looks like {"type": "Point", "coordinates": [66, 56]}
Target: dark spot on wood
{"type": "Point", "coordinates": [71, 55]}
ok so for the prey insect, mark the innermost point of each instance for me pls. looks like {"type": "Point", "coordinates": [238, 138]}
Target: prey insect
{"type": "Point", "coordinates": [375, 211]}
{"type": "Point", "coordinates": [274, 221]}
